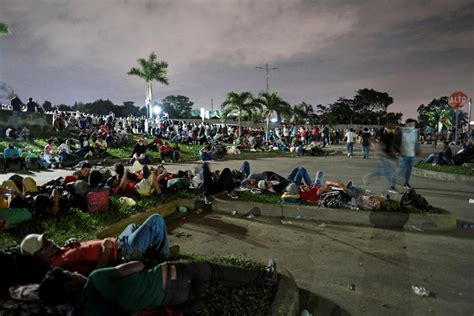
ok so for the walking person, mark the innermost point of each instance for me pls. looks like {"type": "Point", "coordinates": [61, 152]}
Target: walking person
{"type": "Point", "coordinates": [386, 162]}
{"type": "Point", "coordinates": [349, 136]}
{"type": "Point", "coordinates": [366, 139]}
{"type": "Point", "coordinates": [408, 149]}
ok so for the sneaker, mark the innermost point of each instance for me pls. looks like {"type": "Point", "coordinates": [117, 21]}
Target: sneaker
{"type": "Point", "coordinates": [348, 155]}
{"type": "Point", "coordinates": [407, 186]}
{"type": "Point", "coordinates": [271, 275]}
{"type": "Point", "coordinates": [393, 190]}
{"type": "Point", "coordinates": [207, 200]}
{"type": "Point", "coordinates": [233, 195]}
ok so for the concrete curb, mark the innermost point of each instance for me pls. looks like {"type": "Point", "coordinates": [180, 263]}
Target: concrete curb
{"type": "Point", "coordinates": [287, 298]}
{"type": "Point", "coordinates": [442, 175]}
{"type": "Point", "coordinates": [408, 221]}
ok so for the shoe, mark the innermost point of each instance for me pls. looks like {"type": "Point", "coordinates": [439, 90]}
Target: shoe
{"type": "Point", "coordinates": [348, 155]}
{"type": "Point", "coordinates": [271, 273]}
{"type": "Point", "coordinates": [233, 195]}
{"type": "Point", "coordinates": [407, 186]}
{"type": "Point", "coordinates": [393, 190]}
{"type": "Point", "coordinates": [207, 200]}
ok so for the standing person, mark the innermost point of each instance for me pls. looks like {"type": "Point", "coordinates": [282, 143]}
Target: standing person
{"type": "Point", "coordinates": [31, 106]}
{"type": "Point", "coordinates": [366, 138]}
{"type": "Point", "coordinates": [16, 104]}
{"type": "Point", "coordinates": [349, 136]}
{"type": "Point", "coordinates": [385, 158]}
{"type": "Point", "coordinates": [408, 150]}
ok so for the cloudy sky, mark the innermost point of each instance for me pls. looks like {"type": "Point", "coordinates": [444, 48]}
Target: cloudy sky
{"type": "Point", "coordinates": [80, 50]}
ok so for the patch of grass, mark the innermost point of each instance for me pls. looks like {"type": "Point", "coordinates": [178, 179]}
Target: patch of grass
{"type": "Point", "coordinates": [468, 171]}
{"type": "Point", "coordinates": [245, 300]}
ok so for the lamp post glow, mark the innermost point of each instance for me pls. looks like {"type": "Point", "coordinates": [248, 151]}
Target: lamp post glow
{"type": "Point", "coordinates": [157, 110]}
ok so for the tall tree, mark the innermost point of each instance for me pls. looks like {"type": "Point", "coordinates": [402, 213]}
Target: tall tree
{"type": "Point", "coordinates": [303, 113]}
{"type": "Point", "coordinates": [270, 102]}
{"type": "Point", "coordinates": [241, 105]}
{"type": "Point", "coordinates": [150, 70]}
{"type": "Point", "coordinates": [179, 105]}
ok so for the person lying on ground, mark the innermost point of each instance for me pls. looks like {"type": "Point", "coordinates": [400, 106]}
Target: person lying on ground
{"type": "Point", "coordinates": [149, 239]}
{"type": "Point", "coordinates": [148, 185]}
{"type": "Point", "coordinates": [84, 172]}
{"type": "Point", "coordinates": [129, 288]}
{"type": "Point", "coordinates": [223, 182]}
{"type": "Point", "coordinates": [445, 157]}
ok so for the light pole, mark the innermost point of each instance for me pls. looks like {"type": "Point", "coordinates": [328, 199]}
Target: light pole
{"type": "Point", "coordinates": [267, 69]}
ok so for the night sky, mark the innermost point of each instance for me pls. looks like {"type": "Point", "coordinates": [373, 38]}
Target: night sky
{"type": "Point", "coordinates": [67, 51]}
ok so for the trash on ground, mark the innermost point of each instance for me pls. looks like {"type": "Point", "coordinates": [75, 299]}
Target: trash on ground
{"type": "Point", "coordinates": [182, 209]}
{"type": "Point", "coordinates": [251, 216]}
{"type": "Point", "coordinates": [421, 291]}
{"type": "Point", "coordinates": [323, 225]}
{"type": "Point", "coordinates": [416, 229]}
{"type": "Point", "coordinates": [284, 222]}
{"type": "Point", "coordinates": [299, 216]}
{"type": "Point", "coordinates": [234, 213]}
{"type": "Point", "coordinates": [351, 286]}
{"type": "Point", "coordinates": [183, 234]}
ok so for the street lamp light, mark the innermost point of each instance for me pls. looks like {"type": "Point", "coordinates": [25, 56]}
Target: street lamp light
{"type": "Point", "coordinates": [157, 110]}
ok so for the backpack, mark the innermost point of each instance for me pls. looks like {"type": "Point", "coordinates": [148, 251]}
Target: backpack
{"type": "Point", "coordinates": [97, 201]}
{"type": "Point", "coordinates": [411, 198]}
{"type": "Point", "coordinates": [334, 199]}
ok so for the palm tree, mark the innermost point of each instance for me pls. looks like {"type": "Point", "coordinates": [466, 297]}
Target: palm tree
{"type": "Point", "coordinates": [272, 102]}
{"type": "Point", "coordinates": [303, 113]}
{"type": "Point", "coordinates": [150, 70]}
{"type": "Point", "coordinates": [240, 104]}
{"type": "Point", "coordinates": [439, 115]}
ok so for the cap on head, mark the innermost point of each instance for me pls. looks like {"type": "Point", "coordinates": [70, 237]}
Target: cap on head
{"type": "Point", "coordinates": [262, 184]}
{"type": "Point", "coordinates": [31, 244]}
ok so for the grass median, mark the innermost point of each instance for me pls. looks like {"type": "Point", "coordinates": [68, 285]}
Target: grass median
{"type": "Point", "coordinates": [467, 171]}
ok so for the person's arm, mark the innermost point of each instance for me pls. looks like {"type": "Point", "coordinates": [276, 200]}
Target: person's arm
{"type": "Point", "coordinates": [131, 267]}
{"type": "Point", "coordinates": [107, 248]}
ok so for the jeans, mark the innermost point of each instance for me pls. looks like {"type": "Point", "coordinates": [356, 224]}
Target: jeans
{"type": "Point", "coordinates": [150, 236]}
{"type": "Point", "coordinates": [406, 164]}
{"type": "Point", "coordinates": [299, 174]}
{"type": "Point", "coordinates": [245, 168]}
{"type": "Point", "coordinates": [350, 148]}
{"type": "Point", "coordinates": [193, 277]}
{"type": "Point", "coordinates": [385, 167]}
{"type": "Point", "coordinates": [365, 150]}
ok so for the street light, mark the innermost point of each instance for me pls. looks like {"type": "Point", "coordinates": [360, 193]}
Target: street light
{"type": "Point", "coordinates": [267, 69]}
{"type": "Point", "coordinates": [157, 110]}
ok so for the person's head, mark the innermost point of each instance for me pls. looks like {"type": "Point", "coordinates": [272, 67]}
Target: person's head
{"type": "Point", "coordinates": [30, 99]}
{"type": "Point", "coordinates": [366, 129]}
{"type": "Point", "coordinates": [60, 286]}
{"type": "Point", "coordinates": [11, 146]}
{"type": "Point", "coordinates": [410, 123]}
{"type": "Point", "coordinates": [446, 144]}
{"type": "Point", "coordinates": [85, 169]}
{"type": "Point", "coordinates": [119, 169]}
{"type": "Point", "coordinates": [39, 246]}
{"type": "Point", "coordinates": [95, 178]}
{"type": "Point", "coordinates": [141, 141]}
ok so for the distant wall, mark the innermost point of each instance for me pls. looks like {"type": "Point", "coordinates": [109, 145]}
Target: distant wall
{"type": "Point", "coordinates": [31, 120]}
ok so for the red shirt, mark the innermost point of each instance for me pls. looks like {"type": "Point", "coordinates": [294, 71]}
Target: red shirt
{"type": "Point", "coordinates": [84, 258]}
{"type": "Point", "coordinates": [310, 195]}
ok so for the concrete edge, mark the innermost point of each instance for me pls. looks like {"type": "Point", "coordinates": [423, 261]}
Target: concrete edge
{"type": "Point", "coordinates": [442, 175]}
{"type": "Point", "coordinates": [287, 298]}
{"type": "Point", "coordinates": [408, 221]}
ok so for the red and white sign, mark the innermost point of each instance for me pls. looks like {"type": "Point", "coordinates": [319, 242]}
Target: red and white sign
{"type": "Point", "coordinates": [457, 99]}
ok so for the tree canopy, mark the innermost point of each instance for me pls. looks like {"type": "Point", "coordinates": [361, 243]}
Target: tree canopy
{"type": "Point", "coordinates": [177, 106]}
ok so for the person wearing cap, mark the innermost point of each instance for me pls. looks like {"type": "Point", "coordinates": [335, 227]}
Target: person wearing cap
{"type": "Point", "coordinates": [148, 239]}
{"type": "Point", "coordinates": [128, 287]}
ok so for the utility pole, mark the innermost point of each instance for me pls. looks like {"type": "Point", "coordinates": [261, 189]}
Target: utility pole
{"type": "Point", "coordinates": [212, 104]}
{"type": "Point", "coordinates": [267, 69]}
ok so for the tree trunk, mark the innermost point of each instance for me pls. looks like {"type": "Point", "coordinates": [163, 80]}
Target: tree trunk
{"type": "Point", "coordinates": [149, 100]}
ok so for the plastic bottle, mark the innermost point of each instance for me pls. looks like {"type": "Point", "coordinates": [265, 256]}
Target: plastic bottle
{"type": "Point", "coordinates": [354, 204]}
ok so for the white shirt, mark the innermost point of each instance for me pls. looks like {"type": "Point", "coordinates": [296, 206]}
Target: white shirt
{"type": "Point", "coordinates": [350, 137]}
